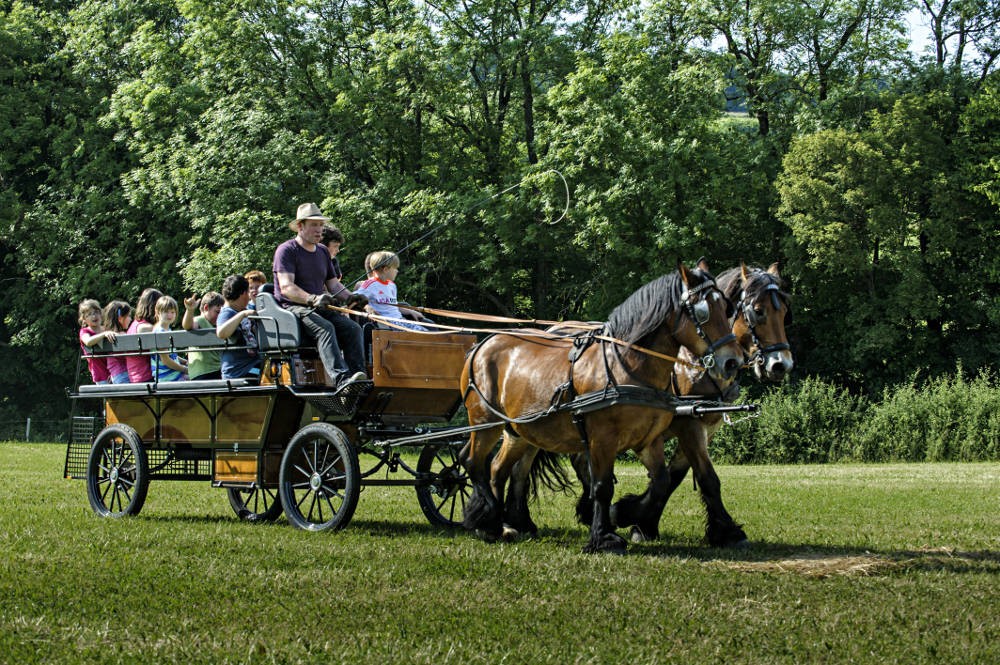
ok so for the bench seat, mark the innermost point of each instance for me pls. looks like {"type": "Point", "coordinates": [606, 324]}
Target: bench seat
{"type": "Point", "coordinates": [162, 342]}
{"type": "Point", "coordinates": [133, 389]}
{"type": "Point", "coordinates": [277, 330]}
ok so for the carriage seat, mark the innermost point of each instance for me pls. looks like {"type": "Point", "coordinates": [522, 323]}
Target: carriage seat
{"type": "Point", "coordinates": [277, 328]}
{"type": "Point", "coordinates": [170, 341]}
{"type": "Point", "coordinates": [132, 389]}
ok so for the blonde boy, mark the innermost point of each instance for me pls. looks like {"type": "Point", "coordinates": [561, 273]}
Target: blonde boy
{"type": "Point", "coordinates": [380, 289]}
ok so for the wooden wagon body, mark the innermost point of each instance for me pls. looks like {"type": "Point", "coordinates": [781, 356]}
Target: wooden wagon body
{"type": "Point", "coordinates": [288, 441]}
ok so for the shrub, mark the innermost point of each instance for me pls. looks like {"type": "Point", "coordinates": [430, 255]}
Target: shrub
{"type": "Point", "coordinates": [949, 418]}
{"type": "Point", "coordinates": [811, 421]}
{"type": "Point", "coordinates": [944, 419]}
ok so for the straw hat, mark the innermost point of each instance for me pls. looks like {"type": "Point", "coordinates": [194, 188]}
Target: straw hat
{"type": "Point", "coordinates": [307, 211]}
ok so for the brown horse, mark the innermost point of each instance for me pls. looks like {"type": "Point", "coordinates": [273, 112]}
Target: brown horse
{"type": "Point", "coordinates": [759, 325]}
{"type": "Point", "coordinates": [514, 385]}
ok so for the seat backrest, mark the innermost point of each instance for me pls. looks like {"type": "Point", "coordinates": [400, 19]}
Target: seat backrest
{"type": "Point", "coordinates": [127, 343]}
{"type": "Point", "coordinates": [166, 340]}
{"type": "Point", "coordinates": [183, 340]}
{"type": "Point", "coordinates": [277, 328]}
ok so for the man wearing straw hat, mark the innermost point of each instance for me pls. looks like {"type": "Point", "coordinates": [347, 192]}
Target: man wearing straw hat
{"type": "Point", "coordinates": [303, 282]}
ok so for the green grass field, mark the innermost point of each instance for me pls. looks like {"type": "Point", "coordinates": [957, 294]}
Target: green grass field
{"type": "Point", "coordinates": [863, 564]}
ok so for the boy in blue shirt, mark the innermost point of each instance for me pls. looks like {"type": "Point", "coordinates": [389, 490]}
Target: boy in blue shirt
{"type": "Point", "coordinates": [234, 321]}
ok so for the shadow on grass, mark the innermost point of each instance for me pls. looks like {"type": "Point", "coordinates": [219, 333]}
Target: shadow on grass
{"type": "Point", "coordinates": [765, 557]}
{"type": "Point", "coordinates": [802, 558]}
{"type": "Point", "coordinates": [394, 528]}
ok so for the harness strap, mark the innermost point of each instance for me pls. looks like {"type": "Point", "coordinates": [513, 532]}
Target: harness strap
{"type": "Point", "coordinates": [581, 427]}
{"type": "Point", "coordinates": [580, 345]}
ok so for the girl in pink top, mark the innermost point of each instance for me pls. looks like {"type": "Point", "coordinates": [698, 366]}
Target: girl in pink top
{"type": "Point", "coordinates": [91, 334]}
{"type": "Point", "coordinates": [139, 369]}
{"type": "Point", "coordinates": [117, 318]}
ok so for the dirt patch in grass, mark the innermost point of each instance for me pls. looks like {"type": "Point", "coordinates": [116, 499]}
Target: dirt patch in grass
{"type": "Point", "coordinates": [818, 565]}
{"type": "Point", "coordinates": [858, 565]}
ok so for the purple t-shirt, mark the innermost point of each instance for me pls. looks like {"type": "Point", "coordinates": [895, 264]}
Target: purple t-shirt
{"type": "Point", "coordinates": [312, 270]}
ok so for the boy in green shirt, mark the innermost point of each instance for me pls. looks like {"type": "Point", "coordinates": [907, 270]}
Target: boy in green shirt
{"type": "Point", "coordinates": [203, 364]}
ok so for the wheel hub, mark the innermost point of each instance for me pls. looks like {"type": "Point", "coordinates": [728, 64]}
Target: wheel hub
{"type": "Point", "coordinates": [114, 475]}
{"type": "Point", "coordinates": [315, 482]}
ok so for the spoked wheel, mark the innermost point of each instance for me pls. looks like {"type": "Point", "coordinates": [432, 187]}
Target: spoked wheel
{"type": "Point", "coordinates": [443, 497]}
{"type": "Point", "coordinates": [117, 472]}
{"type": "Point", "coordinates": [319, 481]}
{"type": "Point", "coordinates": [260, 504]}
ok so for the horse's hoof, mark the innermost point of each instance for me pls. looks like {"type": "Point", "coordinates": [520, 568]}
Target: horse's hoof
{"type": "Point", "coordinates": [487, 536]}
{"type": "Point", "coordinates": [611, 543]}
{"type": "Point", "coordinates": [512, 535]}
{"type": "Point", "coordinates": [637, 536]}
{"type": "Point", "coordinates": [729, 537]}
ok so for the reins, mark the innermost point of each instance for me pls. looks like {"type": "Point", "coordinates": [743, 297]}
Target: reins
{"type": "Point", "coordinates": [440, 328]}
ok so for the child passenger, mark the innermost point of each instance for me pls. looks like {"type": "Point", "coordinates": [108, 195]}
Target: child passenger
{"type": "Point", "coordinates": [91, 334]}
{"type": "Point", "coordinates": [203, 364]}
{"type": "Point", "coordinates": [139, 366]}
{"type": "Point", "coordinates": [166, 366]}
{"type": "Point", "coordinates": [256, 279]}
{"type": "Point", "coordinates": [117, 319]}
{"type": "Point", "coordinates": [380, 289]}
{"type": "Point", "coordinates": [241, 360]}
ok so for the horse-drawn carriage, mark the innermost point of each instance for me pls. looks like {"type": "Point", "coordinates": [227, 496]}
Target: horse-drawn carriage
{"type": "Point", "coordinates": [289, 442]}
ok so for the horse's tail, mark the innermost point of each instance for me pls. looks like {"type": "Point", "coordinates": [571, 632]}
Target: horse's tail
{"type": "Point", "coordinates": [548, 470]}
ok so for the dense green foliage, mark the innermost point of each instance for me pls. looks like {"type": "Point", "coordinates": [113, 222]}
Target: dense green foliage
{"type": "Point", "coordinates": [866, 564]}
{"type": "Point", "coordinates": [949, 419]}
{"type": "Point", "coordinates": [167, 142]}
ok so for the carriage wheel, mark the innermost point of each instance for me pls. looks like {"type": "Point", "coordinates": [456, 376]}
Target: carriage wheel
{"type": "Point", "coordinates": [260, 504]}
{"type": "Point", "coordinates": [443, 497]}
{"type": "Point", "coordinates": [117, 472]}
{"type": "Point", "coordinates": [319, 482]}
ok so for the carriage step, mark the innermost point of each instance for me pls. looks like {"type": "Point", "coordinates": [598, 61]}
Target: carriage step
{"type": "Point", "coordinates": [343, 402]}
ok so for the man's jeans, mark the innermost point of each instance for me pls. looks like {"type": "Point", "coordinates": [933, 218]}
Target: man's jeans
{"type": "Point", "coordinates": [338, 340]}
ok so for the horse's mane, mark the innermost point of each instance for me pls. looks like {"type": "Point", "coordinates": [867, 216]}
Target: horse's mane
{"type": "Point", "coordinates": [643, 312]}
{"type": "Point", "coordinates": [730, 283]}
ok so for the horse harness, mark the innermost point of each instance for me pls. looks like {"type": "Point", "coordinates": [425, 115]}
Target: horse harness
{"type": "Point", "coordinates": [745, 307]}
{"type": "Point", "coordinates": [565, 398]}
{"type": "Point", "coordinates": [752, 320]}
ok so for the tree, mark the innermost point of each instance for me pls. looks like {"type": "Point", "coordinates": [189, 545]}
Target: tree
{"type": "Point", "coordinates": [888, 262]}
{"type": "Point", "coordinates": [840, 43]}
{"type": "Point", "coordinates": [754, 42]}
{"type": "Point", "coordinates": [965, 34]}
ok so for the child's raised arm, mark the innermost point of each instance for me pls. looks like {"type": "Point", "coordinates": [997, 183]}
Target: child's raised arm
{"type": "Point", "coordinates": [190, 307]}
